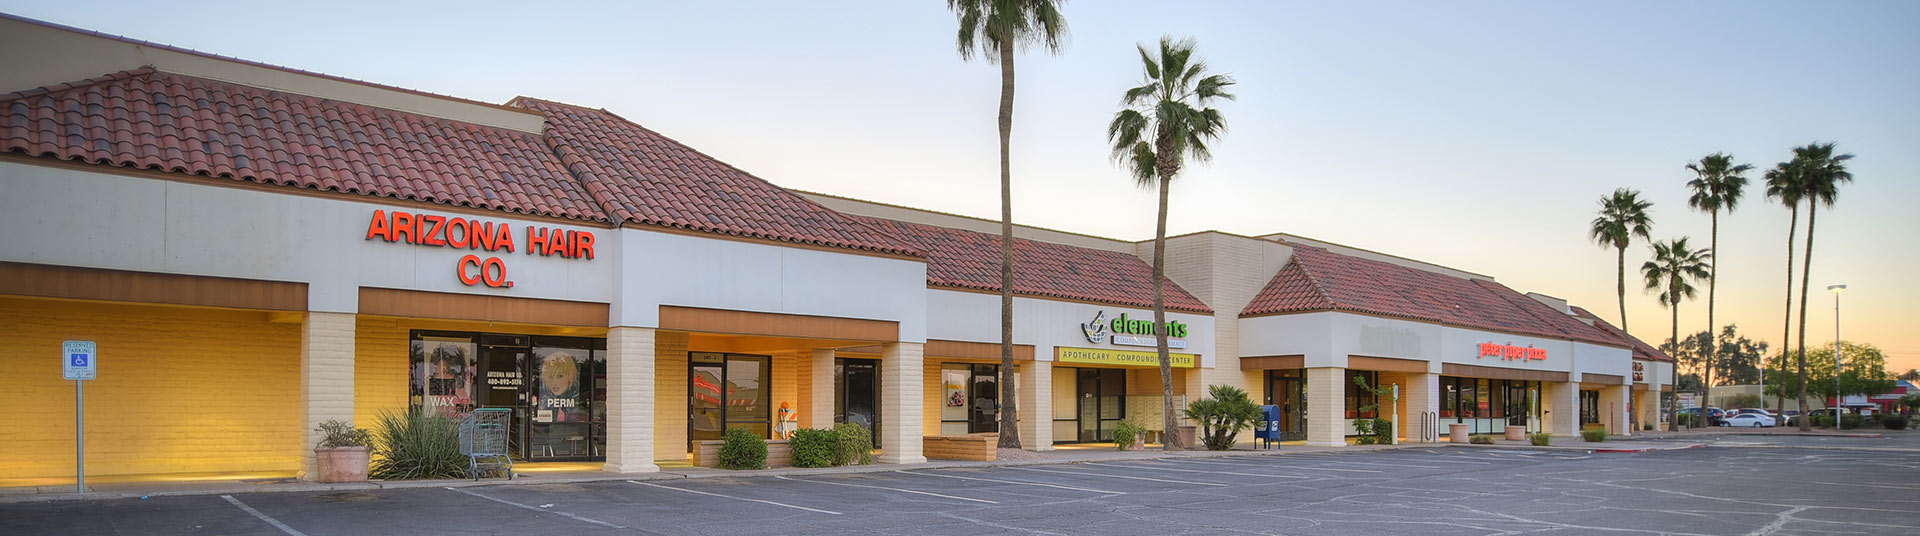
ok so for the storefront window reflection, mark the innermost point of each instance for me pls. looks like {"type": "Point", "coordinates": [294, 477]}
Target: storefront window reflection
{"type": "Point", "coordinates": [442, 371]}
{"type": "Point", "coordinates": [555, 385]}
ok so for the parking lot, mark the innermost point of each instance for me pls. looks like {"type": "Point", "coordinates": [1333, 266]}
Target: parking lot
{"type": "Point", "coordinates": [1448, 490]}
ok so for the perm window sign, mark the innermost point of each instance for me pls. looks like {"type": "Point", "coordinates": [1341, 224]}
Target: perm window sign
{"type": "Point", "coordinates": [77, 360]}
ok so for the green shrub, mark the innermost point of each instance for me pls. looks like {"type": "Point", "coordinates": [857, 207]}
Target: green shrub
{"type": "Point", "coordinates": [1222, 415]}
{"type": "Point", "coordinates": [1540, 439]}
{"type": "Point", "coordinates": [856, 444]}
{"type": "Point", "coordinates": [1894, 422]}
{"type": "Point", "coordinates": [1683, 419]}
{"type": "Point", "coordinates": [1482, 439]}
{"type": "Point", "coordinates": [1849, 421]}
{"type": "Point", "coordinates": [1646, 427]}
{"type": "Point", "coordinates": [815, 448]}
{"type": "Point", "coordinates": [409, 445]}
{"type": "Point", "coordinates": [742, 450]}
{"type": "Point", "coordinates": [339, 433]}
{"type": "Point", "coordinates": [1822, 421]}
{"type": "Point", "coordinates": [1594, 435]}
{"type": "Point", "coordinates": [1373, 431]}
{"type": "Point", "coordinates": [1126, 432]}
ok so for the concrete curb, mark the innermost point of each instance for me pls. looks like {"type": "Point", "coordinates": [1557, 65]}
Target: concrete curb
{"type": "Point", "coordinates": [702, 473]}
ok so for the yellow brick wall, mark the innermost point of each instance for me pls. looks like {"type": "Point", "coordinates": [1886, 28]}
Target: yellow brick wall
{"type": "Point", "coordinates": [179, 389]}
{"type": "Point", "coordinates": [803, 389]}
{"type": "Point", "coordinates": [784, 385]}
{"type": "Point", "coordinates": [380, 368]}
{"type": "Point", "coordinates": [670, 370]}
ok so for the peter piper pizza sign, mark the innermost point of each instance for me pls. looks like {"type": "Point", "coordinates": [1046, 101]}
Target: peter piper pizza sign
{"type": "Point", "coordinates": [489, 237]}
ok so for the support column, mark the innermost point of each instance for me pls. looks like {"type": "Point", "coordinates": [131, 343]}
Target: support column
{"type": "Point", "coordinates": [901, 387]}
{"type": "Point", "coordinates": [630, 408]}
{"type": "Point", "coordinates": [1614, 401]}
{"type": "Point", "coordinates": [1561, 402]}
{"type": "Point", "coordinates": [1327, 407]}
{"type": "Point", "coordinates": [326, 378]}
{"type": "Point", "coordinates": [820, 405]}
{"type": "Point", "coordinates": [1647, 404]}
{"type": "Point", "coordinates": [1422, 397]}
{"type": "Point", "coordinates": [1036, 405]}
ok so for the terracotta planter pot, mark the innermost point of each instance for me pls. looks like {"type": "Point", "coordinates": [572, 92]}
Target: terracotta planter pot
{"type": "Point", "coordinates": [1457, 433]}
{"type": "Point", "coordinates": [342, 464]}
{"type": "Point", "coordinates": [1189, 436]}
{"type": "Point", "coordinates": [1516, 433]}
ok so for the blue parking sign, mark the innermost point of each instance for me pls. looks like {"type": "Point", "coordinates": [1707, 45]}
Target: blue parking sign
{"type": "Point", "coordinates": [78, 360]}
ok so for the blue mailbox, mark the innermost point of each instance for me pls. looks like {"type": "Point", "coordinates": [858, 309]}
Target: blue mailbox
{"type": "Point", "coordinates": [1267, 431]}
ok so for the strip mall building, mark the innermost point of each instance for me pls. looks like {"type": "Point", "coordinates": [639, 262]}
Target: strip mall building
{"type": "Point", "coordinates": [258, 249]}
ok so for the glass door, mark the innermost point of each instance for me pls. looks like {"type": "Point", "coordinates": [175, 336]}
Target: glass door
{"type": "Point", "coordinates": [985, 417]}
{"type": "Point", "coordinates": [1286, 390]}
{"type": "Point", "coordinates": [1102, 402]}
{"type": "Point", "coordinates": [705, 399]}
{"type": "Point", "coordinates": [857, 384]}
{"type": "Point", "coordinates": [503, 374]}
{"type": "Point", "coordinates": [726, 391]}
{"type": "Point", "coordinates": [561, 372]}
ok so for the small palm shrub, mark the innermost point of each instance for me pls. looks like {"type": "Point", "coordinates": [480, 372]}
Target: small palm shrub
{"type": "Point", "coordinates": [1540, 439]}
{"type": "Point", "coordinates": [1222, 415]}
{"type": "Point", "coordinates": [1481, 439]}
{"type": "Point", "coordinates": [1594, 435]}
{"type": "Point", "coordinates": [1125, 433]}
{"type": "Point", "coordinates": [815, 448]}
{"type": "Point", "coordinates": [856, 444]}
{"type": "Point", "coordinates": [410, 445]}
{"type": "Point", "coordinates": [740, 449]}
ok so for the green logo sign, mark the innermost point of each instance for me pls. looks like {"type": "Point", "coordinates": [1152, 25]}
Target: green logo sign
{"type": "Point", "coordinates": [1122, 324]}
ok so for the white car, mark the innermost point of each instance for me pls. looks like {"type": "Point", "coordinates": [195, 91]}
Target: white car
{"type": "Point", "coordinates": [1750, 420]}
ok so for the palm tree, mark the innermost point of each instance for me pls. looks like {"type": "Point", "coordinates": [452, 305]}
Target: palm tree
{"type": "Point", "coordinates": [1672, 271]}
{"type": "Point", "coordinates": [1622, 216]}
{"type": "Point", "coordinates": [995, 29]}
{"type": "Point", "coordinates": [1783, 184]}
{"type": "Point", "coordinates": [1160, 124]}
{"type": "Point", "coordinates": [1821, 173]}
{"type": "Point", "coordinates": [1717, 184]}
{"type": "Point", "coordinates": [1912, 375]}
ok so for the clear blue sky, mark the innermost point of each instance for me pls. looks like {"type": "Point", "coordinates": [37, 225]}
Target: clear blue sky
{"type": "Point", "coordinates": [1474, 135]}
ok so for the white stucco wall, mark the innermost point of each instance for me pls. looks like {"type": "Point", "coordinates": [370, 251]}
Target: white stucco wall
{"type": "Point", "coordinates": [1326, 339]}
{"type": "Point", "coordinates": [691, 271]}
{"type": "Point", "coordinates": [1046, 324]}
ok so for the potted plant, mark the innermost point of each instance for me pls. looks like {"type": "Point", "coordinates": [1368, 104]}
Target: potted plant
{"type": "Point", "coordinates": [343, 453]}
{"type": "Point", "coordinates": [1129, 435]}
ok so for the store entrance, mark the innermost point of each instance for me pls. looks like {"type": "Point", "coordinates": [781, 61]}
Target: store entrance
{"type": "Point", "coordinates": [556, 387]}
{"type": "Point", "coordinates": [502, 373]}
{"type": "Point", "coordinates": [1102, 402]}
{"type": "Point", "coordinates": [856, 388]}
{"type": "Point", "coordinates": [726, 391]}
{"type": "Point", "coordinates": [1287, 389]}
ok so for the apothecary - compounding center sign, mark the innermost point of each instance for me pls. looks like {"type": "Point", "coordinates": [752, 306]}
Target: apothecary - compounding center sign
{"type": "Point", "coordinates": [460, 233]}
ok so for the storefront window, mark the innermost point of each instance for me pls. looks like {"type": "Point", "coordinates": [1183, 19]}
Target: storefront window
{"type": "Point", "coordinates": [1358, 398]}
{"type": "Point", "coordinates": [561, 397]}
{"type": "Point", "coordinates": [727, 391]}
{"type": "Point", "coordinates": [1589, 407]}
{"type": "Point", "coordinates": [442, 368]}
{"type": "Point", "coordinates": [556, 387]}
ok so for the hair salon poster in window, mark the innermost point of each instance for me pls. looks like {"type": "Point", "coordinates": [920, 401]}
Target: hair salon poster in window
{"type": "Point", "coordinates": [443, 375]}
{"type": "Point", "coordinates": [558, 398]}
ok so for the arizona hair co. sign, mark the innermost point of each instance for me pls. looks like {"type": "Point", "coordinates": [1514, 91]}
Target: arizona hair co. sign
{"type": "Point", "coordinates": [461, 233]}
{"type": "Point", "coordinates": [1509, 352]}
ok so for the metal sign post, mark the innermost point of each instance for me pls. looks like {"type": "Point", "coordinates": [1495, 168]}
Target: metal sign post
{"type": "Point", "coordinates": [77, 360]}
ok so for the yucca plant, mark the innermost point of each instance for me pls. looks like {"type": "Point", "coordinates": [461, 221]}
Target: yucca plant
{"type": "Point", "coordinates": [409, 445]}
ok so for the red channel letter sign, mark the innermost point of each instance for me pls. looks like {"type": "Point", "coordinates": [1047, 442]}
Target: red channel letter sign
{"type": "Point", "coordinates": [461, 233]}
{"type": "Point", "coordinates": [1509, 352]}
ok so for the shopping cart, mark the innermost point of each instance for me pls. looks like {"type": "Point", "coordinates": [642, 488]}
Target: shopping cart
{"type": "Point", "coordinates": [483, 438]}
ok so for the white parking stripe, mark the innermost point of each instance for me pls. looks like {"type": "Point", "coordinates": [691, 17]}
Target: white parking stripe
{"type": "Point", "coordinates": [1391, 465]}
{"type": "Point", "coordinates": [539, 509]}
{"type": "Point", "coordinates": [263, 517]}
{"type": "Point", "coordinates": [1118, 476]}
{"type": "Point", "coordinates": [1280, 466]}
{"type": "Point", "coordinates": [734, 498]}
{"type": "Point", "coordinates": [1151, 468]}
{"type": "Point", "coordinates": [1016, 482]}
{"type": "Point", "coordinates": [902, 490]}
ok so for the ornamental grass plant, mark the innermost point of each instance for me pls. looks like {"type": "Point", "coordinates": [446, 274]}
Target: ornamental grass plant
{"type": "Point", "coordinates": [409, 445]}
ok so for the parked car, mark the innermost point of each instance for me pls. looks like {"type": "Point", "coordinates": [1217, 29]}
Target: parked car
{"type": "Point", "coordinates": [1750, 420]}
{"type": "Point", "coordinates": [1752, 411]}
{"type": "Point", "coordinates": [1715, 416]}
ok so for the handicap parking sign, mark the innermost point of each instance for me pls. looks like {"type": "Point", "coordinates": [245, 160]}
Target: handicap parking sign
{"type": "Point", "coordinates": [78, 359]}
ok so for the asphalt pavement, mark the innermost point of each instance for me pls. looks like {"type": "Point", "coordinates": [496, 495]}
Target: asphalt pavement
{"type": "Point", "coordinates": [1439, 490]}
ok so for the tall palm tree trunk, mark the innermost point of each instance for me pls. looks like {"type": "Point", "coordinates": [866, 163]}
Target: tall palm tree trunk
{"type": "Point", "coordinates": [1673, 305]}
{"type": "Point", "coordinates": [1621, 266]}
{"type": "Point", "coordinates": [1786, 326]}
{"type": "Point", "coordinates": [1166, 169]}
{"type": "Point", "coordinates": [1009, 406]}
{"type": "Point", "coordinates": [1713, 245]}
{"type": "Point", "coordinates": [1806, 267]}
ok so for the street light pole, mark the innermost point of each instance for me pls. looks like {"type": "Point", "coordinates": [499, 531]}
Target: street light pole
{"type": "Point", "coordinates": [1836, 353]}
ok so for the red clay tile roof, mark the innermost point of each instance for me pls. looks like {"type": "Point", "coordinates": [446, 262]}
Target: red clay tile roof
{"type": "Point", "coordinates": [1641, 350]}
{"type": "Point", "coordinates": [958, 258]}
{"type": "Point", "coordinates": [1320, 280]}
{"type": "Point", "coordinates": [644, 177]}
{"type": "Point", "coordinates": [168, 122]}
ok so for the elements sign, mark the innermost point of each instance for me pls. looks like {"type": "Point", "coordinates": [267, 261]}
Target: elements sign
{"type": "Point", "coordinates": [1130, 332]}
{"type": "Point", "coordinates": [462, 233]}
{"type": "Point", "coordinates": [77, 360]}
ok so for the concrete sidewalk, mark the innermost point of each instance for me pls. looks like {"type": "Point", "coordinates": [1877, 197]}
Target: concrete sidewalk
{"type": "Point", "coordinates": [108, 488]}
